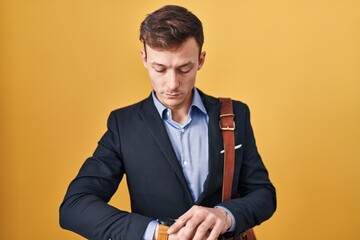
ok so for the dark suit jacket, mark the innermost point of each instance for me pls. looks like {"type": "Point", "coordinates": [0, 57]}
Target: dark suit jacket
{"type": "Point", "coordinates": [136, 144]}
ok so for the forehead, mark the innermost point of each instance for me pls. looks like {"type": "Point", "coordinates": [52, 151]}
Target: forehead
{"type": "Point", "coordinates": [187, 52]}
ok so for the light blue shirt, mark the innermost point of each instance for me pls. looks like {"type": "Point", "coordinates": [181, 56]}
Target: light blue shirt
{"type": "Point", "coordinates": [191, 146]}
{"type": "Point", "coordinates": [190, 142]}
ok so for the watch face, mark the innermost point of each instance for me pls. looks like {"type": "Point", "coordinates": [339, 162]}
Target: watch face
{"type": "Point", "coordinates": [166, 221]}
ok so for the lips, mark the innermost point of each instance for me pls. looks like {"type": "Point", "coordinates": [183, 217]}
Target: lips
{"type": "Point", "coordinates": [171, 94]}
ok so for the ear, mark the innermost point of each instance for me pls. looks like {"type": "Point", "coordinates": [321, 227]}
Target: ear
{"type": "Point", "coordinates": [143, 57]}
{"type": "Point", "coordinates": [201, 59]}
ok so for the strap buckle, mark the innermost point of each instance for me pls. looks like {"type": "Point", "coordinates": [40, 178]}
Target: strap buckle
{"type": "Point", "coordinates": [227, 128]}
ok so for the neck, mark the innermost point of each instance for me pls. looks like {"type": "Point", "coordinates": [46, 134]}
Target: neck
{"type": "Point", "coordinates": [180, 114]}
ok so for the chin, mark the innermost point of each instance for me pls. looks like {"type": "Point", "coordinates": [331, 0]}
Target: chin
{"type": "Point", "coordinates": [172, 103]}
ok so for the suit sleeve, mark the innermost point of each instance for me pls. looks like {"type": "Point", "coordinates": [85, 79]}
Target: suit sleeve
{"type": "Point", "coordinates": [85, 209]}
{"type": "Point", "coordinates": [258, 196]}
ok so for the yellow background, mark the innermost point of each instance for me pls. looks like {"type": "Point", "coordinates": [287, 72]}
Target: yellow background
{"type": "Point", "coordinates": [65, 64]}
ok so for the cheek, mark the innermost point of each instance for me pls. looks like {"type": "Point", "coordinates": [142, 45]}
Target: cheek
{"type": "Point", "coordinates": [191, 79]}
{"type": "Point", "coordinates": [155, 81]}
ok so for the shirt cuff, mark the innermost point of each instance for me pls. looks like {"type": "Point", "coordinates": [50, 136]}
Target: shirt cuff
{"type": "Point", "coordinates": [150, 230]}
{"type": "Point", "coordinates": [233, 222]}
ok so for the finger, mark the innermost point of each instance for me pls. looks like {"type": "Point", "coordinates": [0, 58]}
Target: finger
{"type": "Point", "coordinates": [191, 227]}
{"type": "Point", "coordinates": [216, 231]}
{"type": "Point", "coordinates": [182, 220]}
{"type": "Point", "coordinates": [180, 235]}
{"type": "Point", "coordinates": [203, 230]}
{"type": "Point", "coordinates": [179, 223]}
{"type": "Point", "coordinates": [201, 223]}
{"type": "Point", "coordinates": [210, 225]}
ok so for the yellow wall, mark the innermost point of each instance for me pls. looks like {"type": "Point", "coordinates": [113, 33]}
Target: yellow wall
{"type": "Point", "coordinates": [65, 64]}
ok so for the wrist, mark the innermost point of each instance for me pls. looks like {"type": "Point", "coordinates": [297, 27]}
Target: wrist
{"type": "Point", "coordinates": [230, 218]}
{"type": "Point", "coordinates": [161, 232]}
{"type": "Point", "coordinates": [227, 221]}
{"type": "Point", "coordinates": [162, 228]}
{"type": "Point", "coordinates": [156, 232]}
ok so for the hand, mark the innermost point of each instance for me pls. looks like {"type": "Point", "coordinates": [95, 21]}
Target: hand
{"type": "Point", "coordinates": [200, 223]}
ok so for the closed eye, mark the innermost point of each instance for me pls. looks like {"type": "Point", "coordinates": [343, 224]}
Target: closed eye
{"type": "Point", "coordinates": [185, 68]}
{"type": "Point", "coordinates": [184, 71]}
{"type": "Point", "coordinates": [160, 70]}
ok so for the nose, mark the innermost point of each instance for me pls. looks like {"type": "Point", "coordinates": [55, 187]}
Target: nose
{"type": "Point", "coordinates": [172, 81]}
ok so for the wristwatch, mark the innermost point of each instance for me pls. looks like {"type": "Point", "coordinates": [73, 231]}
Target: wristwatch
{"type": "Point", "coordinates": [164, 224]}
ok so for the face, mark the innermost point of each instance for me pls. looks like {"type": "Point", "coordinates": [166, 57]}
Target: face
{"type": "Point", "coordinates": [173, 72]}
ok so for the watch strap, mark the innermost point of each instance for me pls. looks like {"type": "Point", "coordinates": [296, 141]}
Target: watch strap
{"type": "Point", "coordinates": [162, 232]}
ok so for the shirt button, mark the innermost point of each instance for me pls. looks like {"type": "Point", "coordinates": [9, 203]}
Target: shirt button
{"type": "Point", "coordinates": [185, 163]}
{"type": "Point", "coordinates": [182, 130]}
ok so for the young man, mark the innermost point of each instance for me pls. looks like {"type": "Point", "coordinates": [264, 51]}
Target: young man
{"type": "Point", "coordinates": [170, 148]}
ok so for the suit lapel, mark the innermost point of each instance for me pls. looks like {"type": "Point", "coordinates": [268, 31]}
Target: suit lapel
{"type": "Point", "coordinates": [212, 106]}
{"type": "Point", "coordinates": [154, 123]}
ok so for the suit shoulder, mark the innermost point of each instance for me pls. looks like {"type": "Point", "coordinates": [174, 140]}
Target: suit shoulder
{"type": "Point", "coordinates": [240, 105]}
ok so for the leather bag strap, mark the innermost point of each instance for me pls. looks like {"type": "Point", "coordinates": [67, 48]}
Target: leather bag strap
{"type": "Point", "coordinates": [227, 126]}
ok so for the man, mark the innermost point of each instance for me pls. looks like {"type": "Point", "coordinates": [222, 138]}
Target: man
{"type": "Point", "coordinates": [170, 148]}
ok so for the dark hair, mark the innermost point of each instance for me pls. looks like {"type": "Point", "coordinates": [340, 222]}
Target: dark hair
{"type": "Point", "coordinates": [169, 27]}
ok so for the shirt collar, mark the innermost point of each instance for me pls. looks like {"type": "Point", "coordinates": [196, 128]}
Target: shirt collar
{"type": "Point", "coordinates": [196, 102]}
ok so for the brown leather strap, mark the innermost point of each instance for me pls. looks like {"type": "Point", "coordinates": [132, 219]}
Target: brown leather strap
{"type": "Point", "coordinates": [162, 232]}
{"type": "Point", "coordinates": [227, 126]}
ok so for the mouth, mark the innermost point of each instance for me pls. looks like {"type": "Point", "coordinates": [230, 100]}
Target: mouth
{"type": "Point", "coordinates": [172, 94]}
